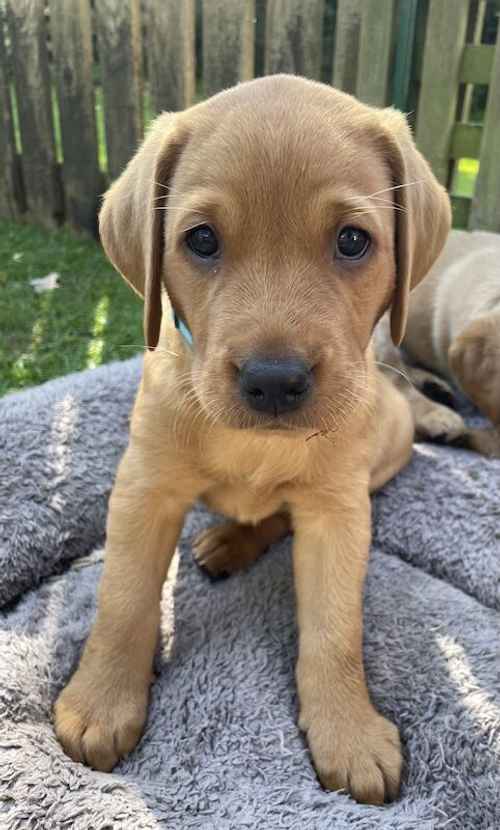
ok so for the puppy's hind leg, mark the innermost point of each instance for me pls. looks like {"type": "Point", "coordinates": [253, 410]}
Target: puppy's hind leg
{"type": "Point", "coordinates": [433, 421]}
{"type": "Point", "coordinates": [230, 546]}
{"type": "Point", "coordinates": [432, 386]}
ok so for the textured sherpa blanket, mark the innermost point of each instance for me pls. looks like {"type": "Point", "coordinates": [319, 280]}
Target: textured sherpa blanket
{"type": "Point", "coordinates": [221, 748]}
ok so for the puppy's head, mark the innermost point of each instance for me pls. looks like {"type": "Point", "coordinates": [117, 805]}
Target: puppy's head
{"type": "Point", "coordinates": [282, 217]}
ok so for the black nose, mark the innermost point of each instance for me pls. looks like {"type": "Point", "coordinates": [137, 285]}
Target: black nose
{"type": "Point", "coordinates": [275, 386]}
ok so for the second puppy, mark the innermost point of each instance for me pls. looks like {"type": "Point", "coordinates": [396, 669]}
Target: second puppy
{"type": "Point", "coordinates": [453, 332]}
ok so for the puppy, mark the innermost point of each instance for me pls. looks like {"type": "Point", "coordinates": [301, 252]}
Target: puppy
{"type": "Point", "coordinates": [453, 330]}
{"type": "Point", "coordinates": [282, 219]}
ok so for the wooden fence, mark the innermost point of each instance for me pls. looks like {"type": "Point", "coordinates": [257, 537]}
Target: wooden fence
{"type": "Point", "coordinates": [80, 79]}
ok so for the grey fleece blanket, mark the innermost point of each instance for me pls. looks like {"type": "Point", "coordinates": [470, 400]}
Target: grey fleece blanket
{"type": "Point", "coordinates": [221, 748]}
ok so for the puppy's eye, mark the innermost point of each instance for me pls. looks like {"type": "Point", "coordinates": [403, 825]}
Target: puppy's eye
{"type": "Point", "coordinates": [202, 241]}
{"type": "Point", "coordinates": [352, 243]}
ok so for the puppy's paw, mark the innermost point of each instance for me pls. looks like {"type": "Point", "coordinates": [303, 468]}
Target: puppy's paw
{"type": "Point", "coordinates": [359, 753]}
{"type": "Point", "coordinates": [97, 721]}
{"type": "Point", "coordinates": [438, 423]}
{"type": "Point", "coordinates": [226, 548]}
{"type": "Point", "coordinates": [473, 358]}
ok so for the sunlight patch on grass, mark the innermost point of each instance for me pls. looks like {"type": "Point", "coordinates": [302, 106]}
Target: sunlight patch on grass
{"type": "Point", "coordinates": [15, 118]}
{"type": "Point", "coordinates": [101, 130]}
{"type": "Point", "coordinates": [56, 121]}
{"type": "Point", "coordinates": [23, 366]}
{"type": "Point", "coordinates": [96, 345]}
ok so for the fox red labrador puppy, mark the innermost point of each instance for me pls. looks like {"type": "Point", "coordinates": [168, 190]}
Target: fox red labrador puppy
{"type": "Point", "coordinates": [281, 218]}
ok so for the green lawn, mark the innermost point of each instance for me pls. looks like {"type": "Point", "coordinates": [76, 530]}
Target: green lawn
{"type": "Point", "coordinates": [91, 318]}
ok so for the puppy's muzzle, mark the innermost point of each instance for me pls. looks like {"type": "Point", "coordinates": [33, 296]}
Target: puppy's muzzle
{"type": "Point", "coordinates": [275, 386]}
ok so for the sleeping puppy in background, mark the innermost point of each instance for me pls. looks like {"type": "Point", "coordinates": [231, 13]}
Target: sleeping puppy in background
{"type": "Point", "coordinates": [453, 332]}
{"type": "Point", "coordinates": [282, 219]}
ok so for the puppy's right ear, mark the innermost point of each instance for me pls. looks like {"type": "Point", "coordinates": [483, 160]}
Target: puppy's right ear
{"type": "Point", "coordinates": [132, 218]}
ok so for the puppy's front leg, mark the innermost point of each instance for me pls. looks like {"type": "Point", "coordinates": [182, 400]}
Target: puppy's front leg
{"type": "Point", "coordinates": [100, 715]}
{"type": "Point", "coordinates": [353, 747]}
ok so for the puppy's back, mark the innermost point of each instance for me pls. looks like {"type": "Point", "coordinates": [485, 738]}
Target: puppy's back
{"type": "Point", "coordinates": [463, 285]}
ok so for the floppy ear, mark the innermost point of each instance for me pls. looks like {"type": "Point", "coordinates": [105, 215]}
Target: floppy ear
{"type": "Point", "coordinates": [132, 221]}
{"type": "Point", "coordinates": [423, 215]}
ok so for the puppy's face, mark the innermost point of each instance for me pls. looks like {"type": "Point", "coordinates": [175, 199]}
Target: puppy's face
{"type": "Point", "coordinates": [280, 263]}
{"type": "Point", "coordinates": [278, 248]}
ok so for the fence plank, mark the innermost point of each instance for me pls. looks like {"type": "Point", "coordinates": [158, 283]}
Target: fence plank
{"type": "Point", "coordinates": [474, 33]}
{"type": "Point", "coordinates": [228, 43]}
{"type": "Point", "coordinates": [72, 55]}
{"type": "Point", "coordinates": [119, 39]}
{"type": "Point", "coordinates": [172, 57]}
{"type": "Point", "coordinates": [293, 37]}
{"type": "Point", "coordinates": [375, 51]}
{"type": "Point", "coordinates": [347, 37]}
{"type": "Point", "coordinates": [405, 44]}
{"type": "Point", "coordinates": [260, 37]}
{"type": "Point", "coordinates": [11, 191]}
{"type": "Point", "coordinates": [466, 141]}
{"type": "Point", "coordinates": [460, 207]}
{"type": "Point", "coordinates": [444, 45]}
{"type": "Point", "coordinates": [417, 60]}
{"type": "Point", "coordinates": [477, 64]}
{"type": "Point", "coordinates": [27, 30]}
{"type": "Point", "coordinates": [485, 213]}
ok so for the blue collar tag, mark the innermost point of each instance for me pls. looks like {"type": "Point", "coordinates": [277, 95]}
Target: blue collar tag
{"type": "Point", "coordinates": [183, 330]}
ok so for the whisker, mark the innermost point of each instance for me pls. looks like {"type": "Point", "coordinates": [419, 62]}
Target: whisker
{"type": "Point", "coordinates": [189, 228]}
{"type": "Point", "coordinates": [159, 349]}
{"type": "Point", "coordinates": [394, 369]}
{"type": "Point", "coordinates": [395, 187]}
{"type": "Point", "coordinates": [373, 209]}
{"type": "Point", "coordinates": [390, 204]}
{"type": "Point", "coordinates": [166, 186]}
{"type": "Point", "coordinates": [173, 207]}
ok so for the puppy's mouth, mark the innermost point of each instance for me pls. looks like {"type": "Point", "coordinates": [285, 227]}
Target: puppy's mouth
{"type": "Point", "coordinates": [236, 414]}
{"type": "Point", "coordinates": [309, 421]}
{"type": "Point", "coordinates": [277, 425]}
{"type": "Point", "coordinates": [232, 411]}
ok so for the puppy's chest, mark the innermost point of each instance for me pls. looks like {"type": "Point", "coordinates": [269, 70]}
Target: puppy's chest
{"type": "Point", "coordinates": [251, 480]}
{"type": "Point", "coordinates": [242, 503]}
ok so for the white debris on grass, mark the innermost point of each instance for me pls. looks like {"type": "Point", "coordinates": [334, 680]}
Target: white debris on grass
{"type": "Point", "coordinates": [47, 283]}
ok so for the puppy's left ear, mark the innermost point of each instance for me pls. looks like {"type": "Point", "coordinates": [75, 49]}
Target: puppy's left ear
{"type": "Point", "coordinates": [132, 218]}
{"type": "Point", "coordinates": [423, 214]}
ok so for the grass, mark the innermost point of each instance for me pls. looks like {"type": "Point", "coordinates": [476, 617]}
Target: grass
{"type": "Point", "coordinates": [91, 318]}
